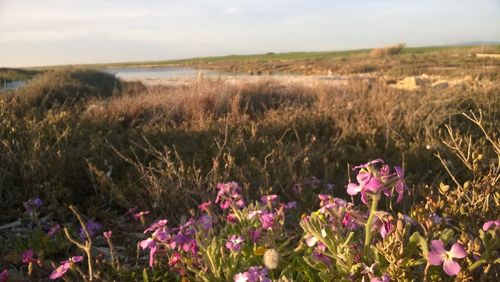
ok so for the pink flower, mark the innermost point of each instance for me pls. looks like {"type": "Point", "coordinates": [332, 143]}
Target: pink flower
{"type": "Point", "coordinates": [254, 274]}
{"type": "Point", "coordinates": [4, 275]}
{"type": "Point", "coordinates": [370, 163]}
{"type": "Point", "coordinates": [267, 219]}
{"type": "Point", "coordinates": [64, 267]}
{"type": "Point", "coordinates": [252, 214]}
{"type": "Point", "coordinates": [204, 206]}
{"type": "Point", "coordinates": [311, 240]}
{"type": "Point", "coordinates": [269, 199]}
{"type": "Point", "coordinates": [131, 210]}
{"type": "Point", "coordinates": [174, 259]}
{"type": "Point", "coordinates": [159, 235]}
{"type": "Point", "coordinates": [156, 225]}
{"type": "Point", "coordinates": [139, 215]}
{"type": "Point", "coordinates": [383, 225]}
{"type": "Point", "coordinates": [367, 183]}
{"type": "Point", "coordinates": [492, 224]}
{"type": "Point", "coordinates": [107, 234]}
{"type": "Point", "coordinates": [228, 193]}
{"type": "Point", "coordinates": [231, 218]}
{"type": "Point", "coordinates": [234, 243]}
{"type": "Point", "coordinates": [27, 258]}
{"type": "Point", "coordinates": [438, 255]}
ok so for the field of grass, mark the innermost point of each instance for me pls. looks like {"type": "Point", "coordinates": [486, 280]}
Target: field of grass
{"type": "Point", "coordinates": [82, 138]}
{"type": "Point", "coordinates": [409, 61]}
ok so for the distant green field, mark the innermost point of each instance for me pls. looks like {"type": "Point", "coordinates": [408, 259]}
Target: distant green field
{"type": "Point", "coordinates": [289, 56]}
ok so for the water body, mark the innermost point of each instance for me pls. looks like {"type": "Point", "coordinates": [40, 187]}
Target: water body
{"type": "Point", "coordinates": [12, 85]}
{"type": "Point", "coordinates": [159, 72]}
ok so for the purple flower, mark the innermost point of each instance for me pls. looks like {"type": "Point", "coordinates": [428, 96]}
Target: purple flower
{"type": "Point", "coordinates": [349, 222]}
{"type": "Point", "coordinates": [330, 186]}
{"type": "Point", "coordinates": [234, 243]}
{"type": "Point", "coordinates": [267, 219]}
{"type": "Point", "coordinates": [492, 224]}
{"type": "Point", "coordinates": [4, 276]}
{"type": "Point", "coordinates": [160, 223]}
{"type": "Point", "coordinates": [400, 184]}
{"type": "Point", "coordinates": [37, 202]}
{"type": "Point", "coordinates": [182, 242]}
{"type": "Point", "coordinates": [319, 256]}
{"type": "Point", "coordinates": [64, 267]}
{"type": "Point", "coordinates": [32, 205]}
{"type": "Point", "coordinates": [107, 234]}
{"type": "Point", "coordinates": [367, 183]}
{"type": "Point", "coordinates": [269, 199]}
{"type": "Point", "coordinates": [205, 221]}
{"type": "Point", "coordinates": [384, 278]}
{"type": "Point", "coordinates": [291, 205]}
{"type": "Point", "coordinates": [438, 255]}
{"type": "Point", "coordinates": [159, 235]}
{"type": "Point", "coordinates": [92, 228]}
{"type": "Point", "coordinates": [254, 235]}
{"type": "Point", "coordinates": [254, 274]}
{"type": "Point", "coordinates": [383, 225]}
{"type": "Point", "coordinates": [53, 230]}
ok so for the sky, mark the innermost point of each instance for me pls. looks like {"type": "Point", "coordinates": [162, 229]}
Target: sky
{"type": "Point", "coordinates": [52, 32]}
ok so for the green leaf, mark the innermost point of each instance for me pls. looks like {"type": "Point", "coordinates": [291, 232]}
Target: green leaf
{"type": "Point", "coordinates": [145, 277]}
{"type": "Point", "coordinates": [417, 240]}
{"type": "Point", "coordinates": [447, 235]}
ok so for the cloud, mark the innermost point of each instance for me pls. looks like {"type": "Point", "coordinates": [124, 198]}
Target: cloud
{"type": "Point", "coordinates": [143, 28]}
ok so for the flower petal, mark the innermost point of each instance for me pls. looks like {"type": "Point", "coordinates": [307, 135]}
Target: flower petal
{"type": "Point", "coordinates": [435, 258]}
{"type": "Point", "coordinates": [311, 241]}
{"type": "Point", "coordinates": [451, 267]}
{"type": "Point", "coordinates": [353, 189]}
{"type": "Point", "coordinates": [152, 252]}
{"type": "Point", "coordinates": [458, 251]}
{"type": "Point", "coordinates": [77, 258]}
{"type": "Point", "coordinates": [438, 246]}
{"type": "Point", "coordinates": [373, 185]}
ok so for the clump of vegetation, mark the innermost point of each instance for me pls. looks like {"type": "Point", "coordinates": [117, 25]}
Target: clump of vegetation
{"type": "Point", "coordinates": [66, 87]}
{"type": "Point", "coordinates": [387, 51]}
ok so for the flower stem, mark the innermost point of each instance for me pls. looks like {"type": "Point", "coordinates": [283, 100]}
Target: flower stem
{"type": "Point", "coordinates": [476, 264]}
{"type": "Point", "coordinates": [369, 222]}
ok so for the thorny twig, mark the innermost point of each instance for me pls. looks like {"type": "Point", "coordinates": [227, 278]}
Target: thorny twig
{"type": "Point", "coordinates": [87, 247]}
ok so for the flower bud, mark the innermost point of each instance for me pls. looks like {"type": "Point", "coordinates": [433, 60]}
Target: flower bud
{"type": "Point", "coordinates": [271, 259]}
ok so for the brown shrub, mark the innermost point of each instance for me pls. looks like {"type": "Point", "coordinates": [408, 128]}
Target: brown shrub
{"type": "Point", "coordinates": [387, 51]}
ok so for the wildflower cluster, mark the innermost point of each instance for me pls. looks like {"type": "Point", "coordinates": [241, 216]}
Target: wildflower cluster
{"type": "Point", "coordinates": [230, 239]}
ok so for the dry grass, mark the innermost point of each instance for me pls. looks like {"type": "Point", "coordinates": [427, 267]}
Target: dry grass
{"type": "Point", "coordinates": [168, 146]}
